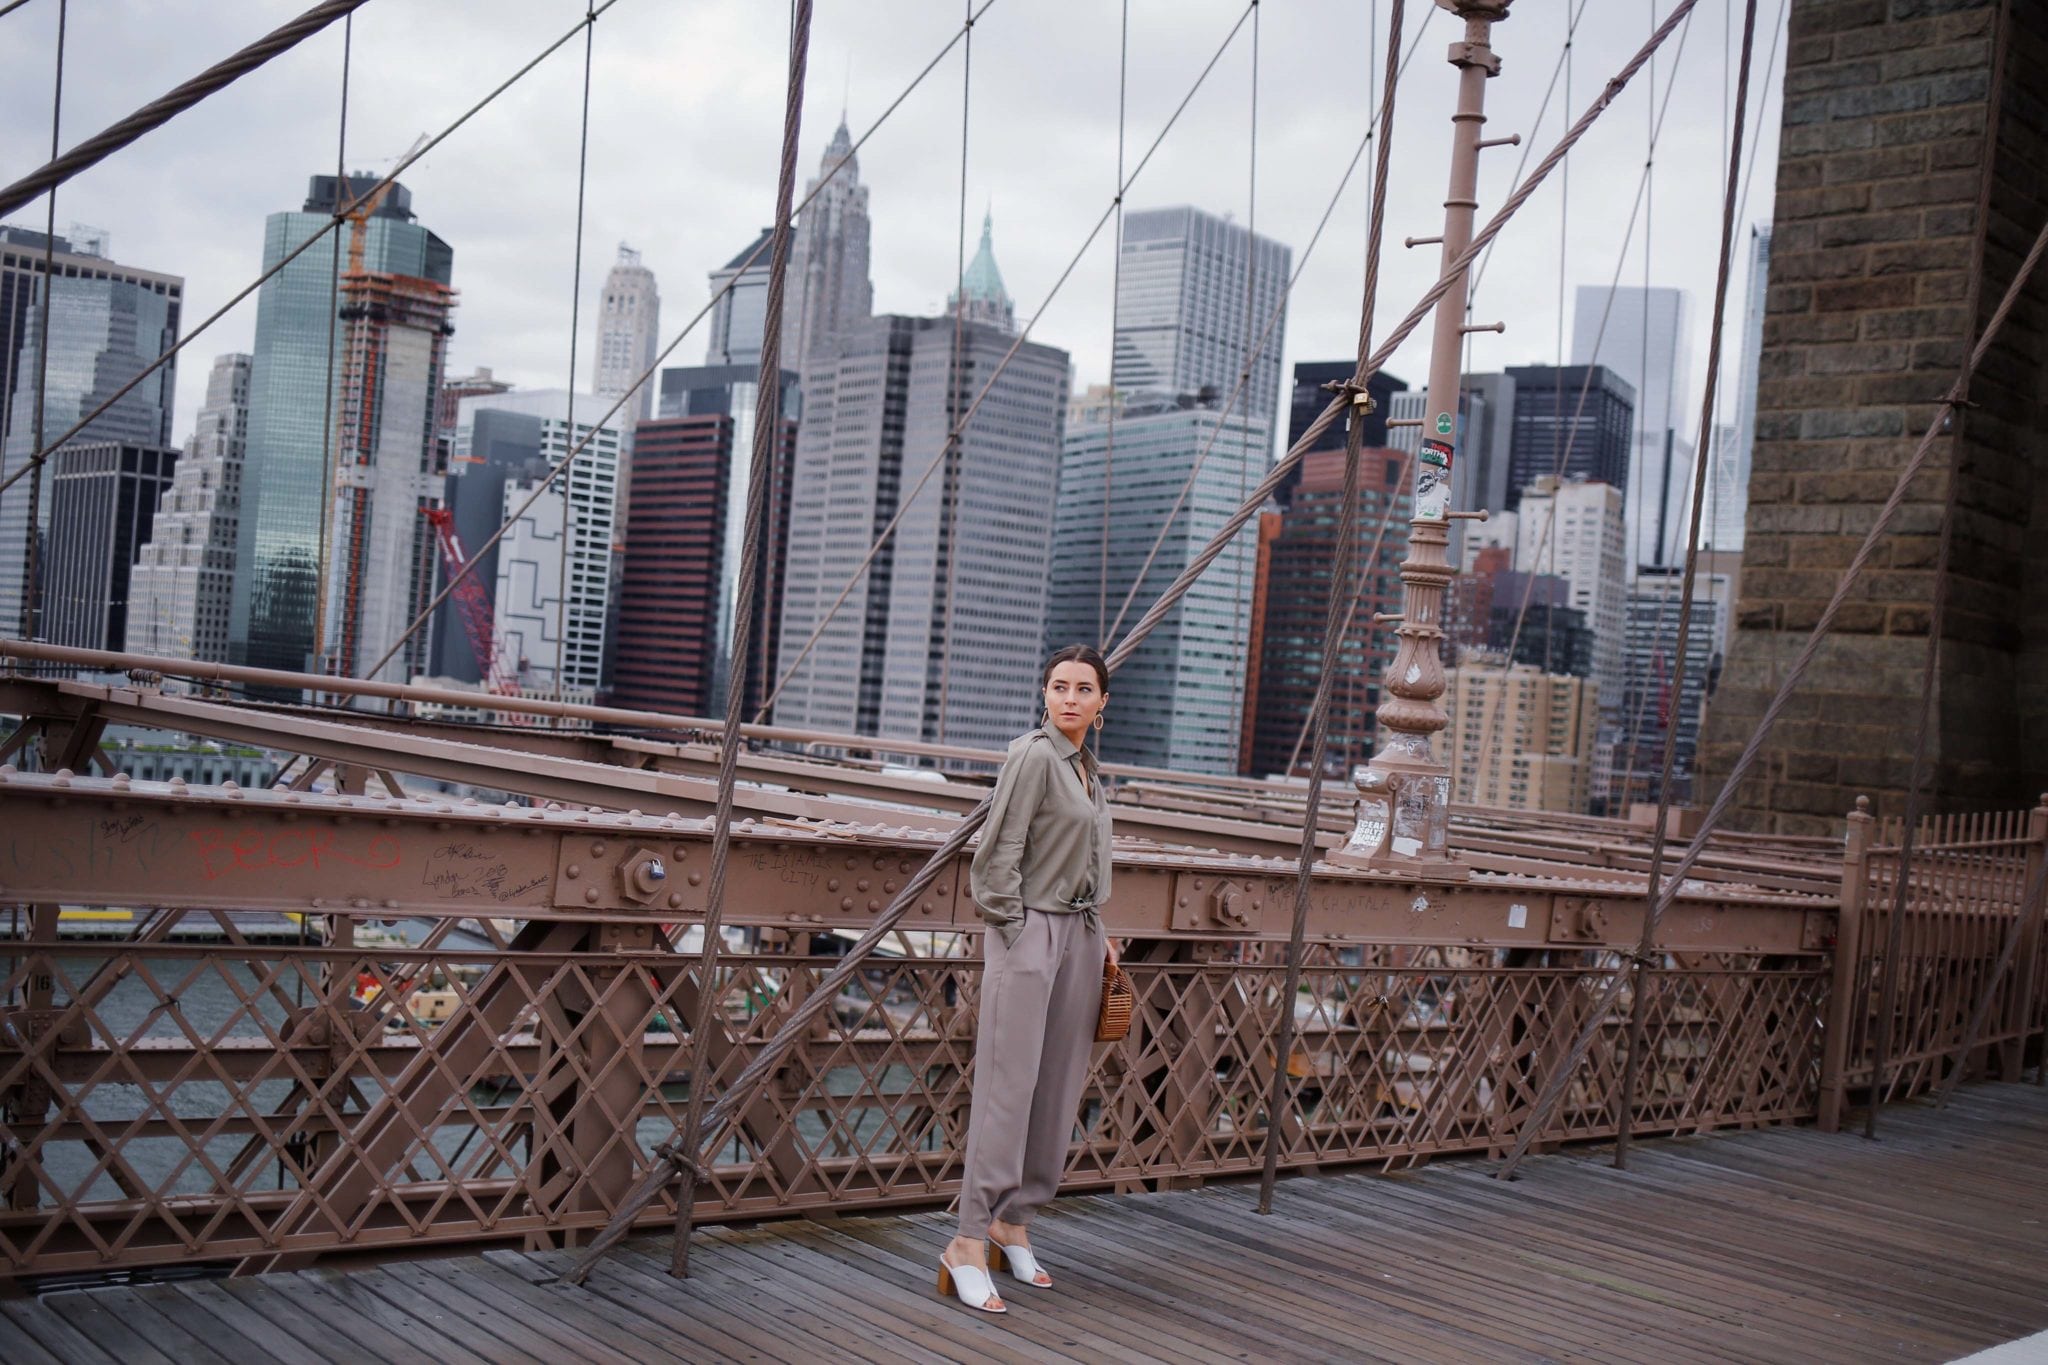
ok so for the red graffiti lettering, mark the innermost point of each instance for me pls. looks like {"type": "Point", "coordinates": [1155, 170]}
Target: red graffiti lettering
{"type": "Point", "coordinates": [255, 850]}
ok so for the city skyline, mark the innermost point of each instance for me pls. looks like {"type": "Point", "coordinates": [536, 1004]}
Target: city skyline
{"type": "Point", "coordinates": [1047, 177]}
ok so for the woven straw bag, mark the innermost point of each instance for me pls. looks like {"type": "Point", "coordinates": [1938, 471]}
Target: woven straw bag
{"type": "Point", "coordinates": [1118, 999]}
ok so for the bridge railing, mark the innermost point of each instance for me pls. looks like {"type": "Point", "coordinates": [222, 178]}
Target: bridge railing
{"type": "Point", "coordinates": [1963, 897]}
{"type": "Point", "coordinates": [395, 1065]}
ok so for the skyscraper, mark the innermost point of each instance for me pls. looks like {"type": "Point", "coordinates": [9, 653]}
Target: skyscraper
{"type": "Point", "coordinates": [1730, 510]}
{"type": "Point", "coordinates": [1182, 323]}
{"type": "Point", "coordinates": [1644, 336]}
{"type": "Point", "coordinates": [286, 491]}
{"type": "Point", "coordinates": [1519, 737]}
{"type": "Point", "coordinates": [1308, 398]}
{"type": "Point", "coordinates": [1479, 477]}
{"type": "Point", "coordinates": [1178, 701]}
{"type": "Point", "coordinates": [982, 286]}
{"type": "Point", "coordinates": [1655, 701]}
{"type": "Point", "coordinates": [900, 659]}
{"type": "Point", "coordinates": [102, 497]}
{"type": "Point", "coordinates": [1583, 543]}
{"type": "Point", "coordinates": [679, 584]}
{"type": "Point", "coordinates": [390, 465]}
{"type": "Point", "coordinates": [628, 335]}
{"type": "Point", "coordinates": [739, 315]}
{"type": "Point", "coordinates": [107, 323]}
{"type": "Point", "coordinates": [828, 286]}
{"type": "Point", "coordinates": [528, 606]}
{"type": "Point", "coordinates": [492, 447]}
{"type": "Point", "coordinates": [183, 578]}
{"type": "Point", "coordinates": [1551, 422]}
{"type": "Point", "coordinates": [1292, 599]}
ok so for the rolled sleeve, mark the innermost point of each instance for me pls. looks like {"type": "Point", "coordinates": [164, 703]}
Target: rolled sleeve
{"type": "Point", "coordinates": [996, 876]}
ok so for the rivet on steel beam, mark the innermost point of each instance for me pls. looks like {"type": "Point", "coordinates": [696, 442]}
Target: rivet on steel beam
{"type": "Point", "coordinates": [390, 905]}
{"type": "Point", "coordinates": [846, 902]}
{"type": "Point", "coordinates": [573, 871]}
{"type": "Point", "coordinates": [177, 783]}
{"type": "Point", "coordinates": [470, 801]}
{"type": "Point", "coordinates": [696, 879]}
{"type": "Point", "coordinates": [674, 899]}
{"type": "Point", "coordinates": [889, 886]}
{"type": "Point", "coordinates": [597, 848]}
{"type": "Point", "coordinates": [7, 771]}
{"type": "Point", "coordinates": [682, 850]}
{"type": "Point", "coordinates": [874, 906]}
{"type": "Point", "coordinates": [832, 884]}
{"type": "Point", "coordinates": [316, 902]}
{"type": "Point", "coordinates": [634, 813]}
{"type": "Point", "coordinates": [590, 894]}
{"type": "Point", "coordinates": [120, 782]}
{"type": "Point", "coordinates": [944, 888]}
{"type": "Point", "coordinates": [852, 863]}
{"type": "Point", "coordinates": [62, 779]}
{"type": "Point", "coordinates": [861, 885]}
{"type": "Point", "coordinates": [359, 903]}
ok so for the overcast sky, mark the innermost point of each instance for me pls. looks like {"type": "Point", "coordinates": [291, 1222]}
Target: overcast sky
{"type": "Point", "coordinates": [685, 121]}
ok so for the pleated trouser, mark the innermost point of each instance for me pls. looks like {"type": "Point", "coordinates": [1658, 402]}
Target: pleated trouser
{"type": "Point", "coordinates": [1039, 1001]}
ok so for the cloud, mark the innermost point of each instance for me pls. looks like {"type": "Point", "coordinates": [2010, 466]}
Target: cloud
{"type": "Point", "coordinates": [685, 126]}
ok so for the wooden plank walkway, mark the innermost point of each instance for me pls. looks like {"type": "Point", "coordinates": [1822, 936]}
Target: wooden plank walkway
{"type": "Point", "coordinates": [1784, 1245]}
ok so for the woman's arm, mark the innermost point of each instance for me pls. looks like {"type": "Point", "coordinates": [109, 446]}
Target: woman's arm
{"type": "Point", "coordinates": [996, 876]}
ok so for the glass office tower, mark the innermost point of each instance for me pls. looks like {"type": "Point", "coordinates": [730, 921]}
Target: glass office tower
{"type": "Point", "coordinates": [285, 493]}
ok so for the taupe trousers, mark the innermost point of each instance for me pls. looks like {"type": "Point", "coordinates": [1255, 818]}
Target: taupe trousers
{"type": "Point", "coordinates": [1039, 999]}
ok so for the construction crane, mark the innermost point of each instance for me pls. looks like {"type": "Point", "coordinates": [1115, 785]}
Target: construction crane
{"type": "Point", "coordinates": [472, 605]}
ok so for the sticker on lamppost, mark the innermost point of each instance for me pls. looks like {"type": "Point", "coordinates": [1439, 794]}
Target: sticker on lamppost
{"type": "Point", "coordinates": [1433, 480]}
{"type": "Point", "coordinates": [1443, 424]}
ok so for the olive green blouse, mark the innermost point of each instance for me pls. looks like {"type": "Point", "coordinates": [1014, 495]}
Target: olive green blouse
{"type": "Point", "coordinates": [1045, 845]}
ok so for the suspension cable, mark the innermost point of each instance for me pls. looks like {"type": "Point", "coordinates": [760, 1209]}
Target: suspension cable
{"type": "Point", "coordinates": [334, 220]}
{"type": "Point", "coordinates": [1603, 1005]}
{"type": "Point", "coordinates": [1243, 379]}
{"type": "Point", "coordinates": [951, 491]}
{"type": "Point", "coordinates": [161, 110]}
{"type": "Point", "coordinates": [1333, 633]}
{"type": "Point", "coordinates": [1638, 965]}
{"type": "Point", "coordinates": [31, 581]}
{"type": "Point", "coordinates": [771, 1053]}
{"type": "Point", "coordinates": [330, 434]}
{"type": "Point", "coordinates": [681, 1152]}
{"type": "Point", "coordinates": [738, 271]}
{"type": "Point", "coordinates": [575, 325]}
{"type": "Point", "coordinates": [1116, 298]}
{"type": "Point", "coordinates": [907, 498]}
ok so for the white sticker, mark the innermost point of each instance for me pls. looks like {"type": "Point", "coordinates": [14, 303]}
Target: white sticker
{"type": "Point", "coordinates": [1518, 917]}
{"type": "Point", "coordinates": [1420, 903]}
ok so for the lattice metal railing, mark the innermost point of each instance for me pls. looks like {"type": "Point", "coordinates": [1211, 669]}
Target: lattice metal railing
{"type": "Point", "coordinates": [178, 1102]}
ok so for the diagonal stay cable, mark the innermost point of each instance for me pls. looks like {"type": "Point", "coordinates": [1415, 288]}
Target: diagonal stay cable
{"type": "Point", "coordinates": [767, 438]}
{"type": "Point", "coordinates": [569, 528]}
{"type": "Point", "coordinates": [164, 108]}
{"type": "Point", "coordinates": [334, 220]}
{"type": "Point", "coordinates": [1333, 623]}
{"type": "Point", "coordinates": [31, 571]}
{"type": "Point", "coordinates": [796, 1024]}
{"type": "Point", "coordinates": [905, 500]}
{"type": "Point", "coordinates": [1555, 1087]}
{"type": "Point", "coordinates": [1244, 374]}
{"type": "Point", "coordinates": [739, 270]}
{"type": "Point", "coordinates": [1639, 1014]}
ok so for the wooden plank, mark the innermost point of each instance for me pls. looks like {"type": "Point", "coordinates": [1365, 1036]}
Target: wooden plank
{"type": "Point", "coordinates": [17, 1347]}
{"type": "Point", "coordinates": [53, 1333]}
{"type": "Point", "coordinates": [617, 1291]}
{"type": "Point", "coordinates": [443, 1323]}
{"type": "Point", "coordinates": [98, 1321]}
{"type": "Point", "coordinates": [265, 1337]}
{"type": "Point", "coordinates": [539, 1335]}
{"type": "Point", "coordinates": [362, 1320]}
{"type": "Point", "coordinates": [551, 1303]}
{"type": "Point", "coordinates": [735, 1325]}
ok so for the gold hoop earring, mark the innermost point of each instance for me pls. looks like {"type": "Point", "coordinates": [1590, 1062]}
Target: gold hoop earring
{"type": "Point", "coordinates": [1098, 720]}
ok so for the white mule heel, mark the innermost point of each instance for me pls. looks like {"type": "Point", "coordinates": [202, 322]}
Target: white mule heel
{"type": "Point", "coordinates": [971, 1285]}
{"type": "Point", "coordinates": [1019, 1261]}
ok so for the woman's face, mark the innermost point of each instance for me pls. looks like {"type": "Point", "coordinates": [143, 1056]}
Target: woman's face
{"type": "Point", "coordinates": [1073, 696]}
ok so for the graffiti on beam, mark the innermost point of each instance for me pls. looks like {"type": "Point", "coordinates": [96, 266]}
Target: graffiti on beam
{"type": "Point", "coordinates": [223, 852]}
{"type": "Point", "coordinates": [467, 871]}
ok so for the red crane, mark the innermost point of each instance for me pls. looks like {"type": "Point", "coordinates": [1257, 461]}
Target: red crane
{"type": "Point", "coordinates": [472, 603]}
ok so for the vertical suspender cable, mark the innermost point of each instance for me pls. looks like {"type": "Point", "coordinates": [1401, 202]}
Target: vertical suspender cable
{"type": "Point", "coordinates": [1249, 415]}
{"type": "Point", "coordinates": [950, 490]}
{"type": "Point", "coordinates": [32, 567]}
{"type": "Point", "coordinates": [682, 1151]}
{"type": "Point", "coordinates": [1116, 291]}
{"type": "Point", "coordinates": [562, 578]}
{"type": "Point", "coordinates": [1645, 954]}
{"type": "Point", "coordinates": [330, 434]}
{"type": "Point", "coordinates": [1359, 402]}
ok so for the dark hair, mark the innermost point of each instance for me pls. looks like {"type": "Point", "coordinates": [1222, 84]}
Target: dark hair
{"type": "Point", "coordinates": [1077, 654]}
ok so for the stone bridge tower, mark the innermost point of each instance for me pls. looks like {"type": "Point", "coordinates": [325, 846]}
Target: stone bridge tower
{"type": "Point", "coordinates": [1896, 235]}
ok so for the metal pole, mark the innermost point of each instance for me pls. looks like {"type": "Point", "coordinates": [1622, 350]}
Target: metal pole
{"type": "Point", "coordinates": [1842, 995]}
{"type": "Point", "coordinates": [1397, 832]}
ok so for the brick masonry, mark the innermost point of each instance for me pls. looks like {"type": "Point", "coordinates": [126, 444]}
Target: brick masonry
{"type": "Point", "coordinates": [1869, 313]}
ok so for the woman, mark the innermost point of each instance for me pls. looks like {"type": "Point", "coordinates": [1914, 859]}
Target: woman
{"type": "Point", "coordinates": [1040, 872]}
